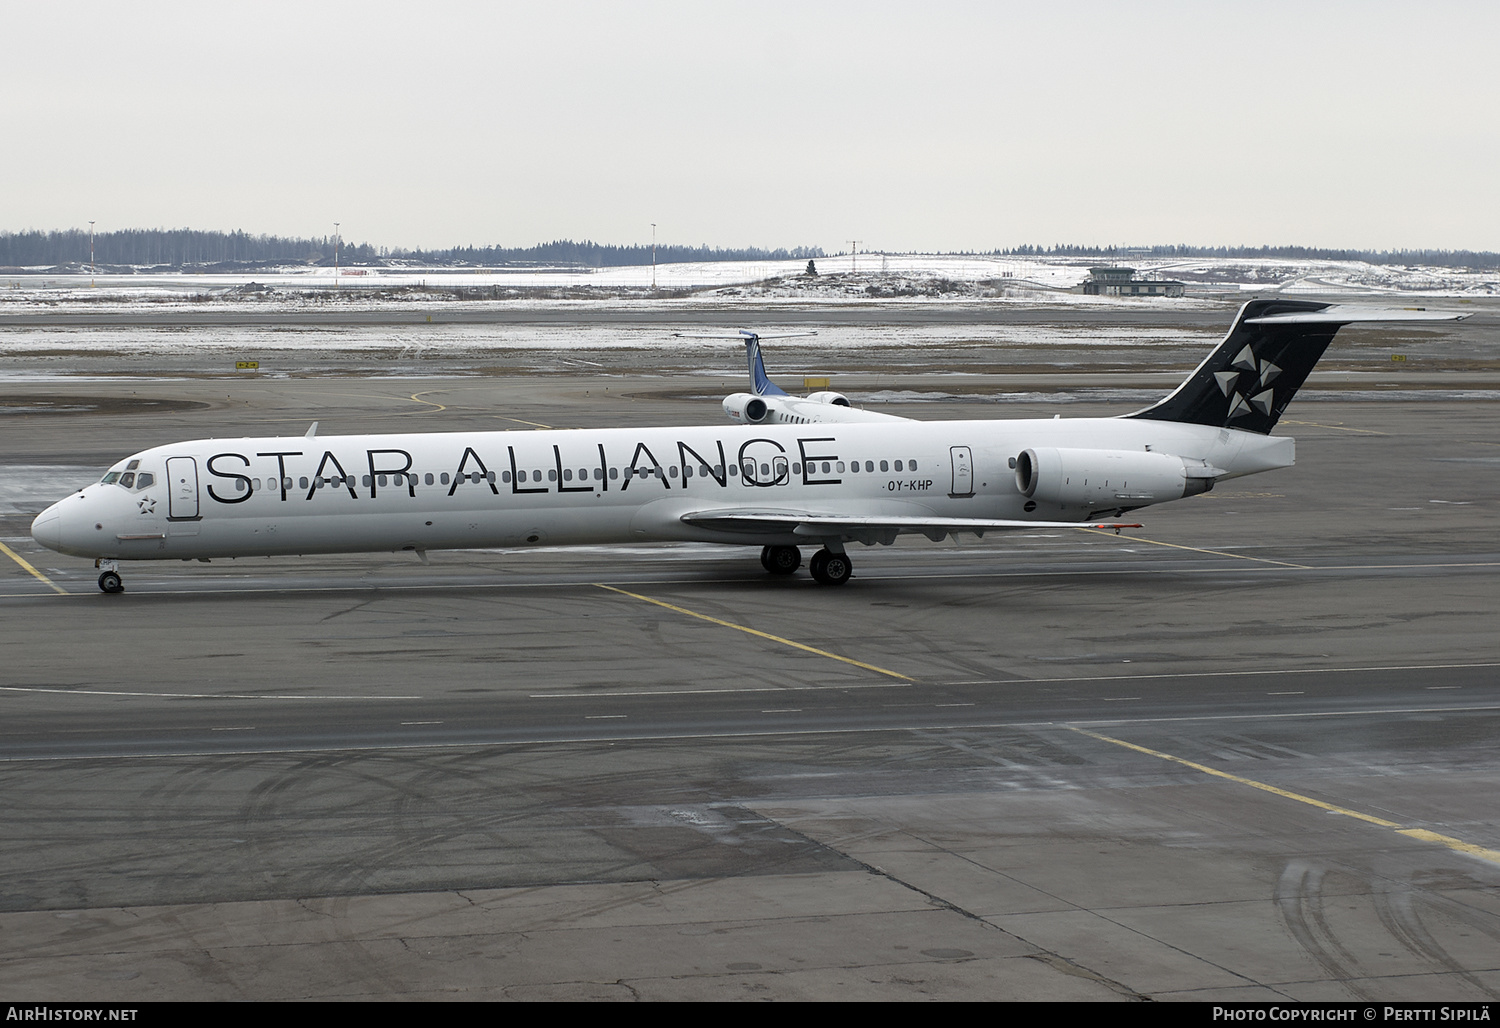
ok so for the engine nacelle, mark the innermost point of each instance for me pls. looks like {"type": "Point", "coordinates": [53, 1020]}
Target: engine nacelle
{"type": "Point", "coordinates": [817, 409]}
{"type": "Point", "coordinates": [1106, 479]}
{"type": "Point", "coordinates": [836, 399]}
{"type": "Point", "coordinates": [746, 408]}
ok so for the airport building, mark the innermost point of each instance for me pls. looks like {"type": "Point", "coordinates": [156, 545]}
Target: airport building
{"type": "Point", "coordinates": [1122, 282]}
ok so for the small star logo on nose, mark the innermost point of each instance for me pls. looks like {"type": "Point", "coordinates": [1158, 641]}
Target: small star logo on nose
{"type": "Point", "coordinates": [147, 505]}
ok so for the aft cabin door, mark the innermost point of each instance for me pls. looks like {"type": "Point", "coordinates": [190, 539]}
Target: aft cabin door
{"type": "Point", "coordinates": [182, 485]}
{"type": "Point", "coordinates": [963, 471]}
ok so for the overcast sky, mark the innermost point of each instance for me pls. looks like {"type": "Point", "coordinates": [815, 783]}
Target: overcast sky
{"type": "Point", "coordinates": [908, 126]}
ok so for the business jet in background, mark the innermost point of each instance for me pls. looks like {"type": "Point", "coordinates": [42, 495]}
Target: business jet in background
{"type": "Point", "coordinates": [792, 472]}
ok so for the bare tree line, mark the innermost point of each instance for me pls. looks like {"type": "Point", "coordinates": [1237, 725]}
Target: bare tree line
{"type": "Point", "coordinates": [190, 248]}
{"type": "Point", "coordinates": [204, 250]}
{"type": "Point", "coordinates": [1476, 259]}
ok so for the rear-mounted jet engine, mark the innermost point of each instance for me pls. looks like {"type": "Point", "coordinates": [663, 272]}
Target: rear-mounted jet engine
{"type": "Point", "coordinates": [1109, 478]}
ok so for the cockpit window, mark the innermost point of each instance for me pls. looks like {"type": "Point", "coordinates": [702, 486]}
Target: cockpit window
{"type": "Point", "coordinates": [144, 479]}
{"type": "Point", "coordinates": [111, 478]}
{"type": "Point", "coordinates": [128, 479]}
{"type": "Point", "coordinates": [133, 465]}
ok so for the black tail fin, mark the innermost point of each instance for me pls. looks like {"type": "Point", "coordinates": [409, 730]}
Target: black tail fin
{"type": "Point", "coordinates": [1247, 382]}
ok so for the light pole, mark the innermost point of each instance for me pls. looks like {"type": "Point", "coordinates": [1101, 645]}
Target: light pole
{"type": "Point", "coordinates": [335, 255]}
{"type": "Point", "coordinates": [653, 256]}
{"type": "Point", "coordinates": [91, 255]}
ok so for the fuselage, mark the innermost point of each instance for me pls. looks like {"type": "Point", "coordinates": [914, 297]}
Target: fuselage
{"type": "Point", "coordinates": [299, 495]}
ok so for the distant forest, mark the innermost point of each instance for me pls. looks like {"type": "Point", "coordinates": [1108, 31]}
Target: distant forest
{"type": "Point", "coordinates": [188, 248]}
{"type": "Point", "coordinates": [1477, 259]}
{"type": "Point", "coordinates": [209, 250]}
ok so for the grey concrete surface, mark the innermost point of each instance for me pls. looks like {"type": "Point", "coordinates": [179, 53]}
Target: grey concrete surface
{"type": "Point", "coordinates": [1248, 753]}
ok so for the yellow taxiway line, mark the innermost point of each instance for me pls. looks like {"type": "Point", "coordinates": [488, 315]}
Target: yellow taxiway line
{"type": "Point", "coordinates": [1420, 834]}
{"type": "Point", "coordinates": [1197, 549]}
{"type": "Point", "coordinates": [757, 632]}
{"type": "Point", "coordinates": [13, 555]}
{"type": "Point", "coordinates": [1341, 428]}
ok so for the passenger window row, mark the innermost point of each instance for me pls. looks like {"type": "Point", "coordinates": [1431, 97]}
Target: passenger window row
{"type": "Point", "coordinates": [583, 475]}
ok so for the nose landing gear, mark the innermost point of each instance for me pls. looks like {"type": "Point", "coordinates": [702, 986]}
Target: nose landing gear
{"type": "Point", "coordinates": [109, 581]}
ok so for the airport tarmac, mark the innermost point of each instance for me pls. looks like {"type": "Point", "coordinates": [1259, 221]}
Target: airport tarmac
{"type": "Point", "coordinates": [1245, 752]}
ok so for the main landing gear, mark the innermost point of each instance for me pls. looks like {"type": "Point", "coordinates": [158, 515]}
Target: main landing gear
{"type": "Point", "coordinates": [780, 560]}
{"type": "Point", "coordinates": [828, 567]}
{"type": "Point", "coordinates": [109, 581]}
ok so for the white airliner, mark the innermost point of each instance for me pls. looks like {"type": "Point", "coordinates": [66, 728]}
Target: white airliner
{"type": "Point", "coordinates": [793, 472]}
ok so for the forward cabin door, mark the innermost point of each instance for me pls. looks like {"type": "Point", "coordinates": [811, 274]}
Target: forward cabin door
{"type": "Point", "coordinates": [963, 471]}
{"type": "Point", "coordinates": [182, 488]}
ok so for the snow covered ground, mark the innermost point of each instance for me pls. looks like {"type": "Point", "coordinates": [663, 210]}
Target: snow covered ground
{"type": "Point", "coordinates": [478, 341]}
{"type": "Point", "coordinates": [862, 279]}
{"type": "Point", "coordinates": [960, 292]}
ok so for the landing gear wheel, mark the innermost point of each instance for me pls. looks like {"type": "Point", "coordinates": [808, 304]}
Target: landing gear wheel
{"type": "Point", "coordinates": [781, 560]}
{"type": "Point", "coordinates": [110, 582]}
{"type": "Point", "coordinates": [830, 568]}
{"type": "Point", "coordinates": [815, 564]}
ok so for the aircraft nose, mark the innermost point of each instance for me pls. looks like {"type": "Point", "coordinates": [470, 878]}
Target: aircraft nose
{"type": "Point", "coordinates": [47, 528]}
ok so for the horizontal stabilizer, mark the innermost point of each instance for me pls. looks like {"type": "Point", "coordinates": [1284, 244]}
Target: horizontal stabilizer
{"type": "Point", "coordinates": [760, 383]}
{"type": "Point", "coordinates": [1343, 314]}
{"type": "Point", "coordinates": [740, 335]}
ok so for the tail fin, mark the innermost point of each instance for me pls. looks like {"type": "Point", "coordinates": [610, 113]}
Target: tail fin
{"type": "Point", "coordinates": [1270, 350]}
{"type": "Point", "coordinates": [760, 382]}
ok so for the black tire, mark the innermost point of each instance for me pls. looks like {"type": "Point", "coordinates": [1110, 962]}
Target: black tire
{"type": "Point", "coordinates": [781, 560]}
{"type": "Point", "coordinates": [830, 568]}
{"type": "Point", "coordinates": [110, 583]}
{"type": "Point", "coordinates": [815, 565]}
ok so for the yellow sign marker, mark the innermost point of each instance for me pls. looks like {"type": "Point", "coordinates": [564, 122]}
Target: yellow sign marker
{"type": "Point", "coordinates": [247, 365]}
{"type": "Point", "coordinates": [757, 632]}
{"type": "Point", "coordinates": [1398, 356]}
{"type": "Point", "coordinates": [815, 383]}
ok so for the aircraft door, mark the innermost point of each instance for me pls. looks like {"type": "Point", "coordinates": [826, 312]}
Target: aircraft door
{"type": "Point", "coordinates": [182, 487]}
{"type": "Point", "coordinates": [963, 471]}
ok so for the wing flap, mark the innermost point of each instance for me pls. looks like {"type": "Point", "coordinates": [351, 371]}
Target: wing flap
{"type": "Point", "coordinates": [819, 524]}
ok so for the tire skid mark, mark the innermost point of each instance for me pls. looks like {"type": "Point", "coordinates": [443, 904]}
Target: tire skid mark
{"type": "Point", "coordinates": [1400, 916]}
{"type": "Point", "coordinates": [1400, 913]}
{"type": "Point", "coordinates": [1299, 899]}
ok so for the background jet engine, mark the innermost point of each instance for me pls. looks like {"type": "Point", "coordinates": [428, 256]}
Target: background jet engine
{"type": "Point", "coordinates": [837, 399]}
{"type": "Point", "coordinates": [780, 409]}
{"type": "Point", "coordinates": [746, 407]}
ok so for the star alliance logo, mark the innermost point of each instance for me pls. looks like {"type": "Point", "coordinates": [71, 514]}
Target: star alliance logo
{"type": "Point", "coordinates": [146, 504]}
{"type": "Point", "coordinates": [1258, 397]}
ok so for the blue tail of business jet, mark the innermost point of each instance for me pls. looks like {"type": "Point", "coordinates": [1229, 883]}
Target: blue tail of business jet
{"type": "Point", "coordinates": [760, 382]}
